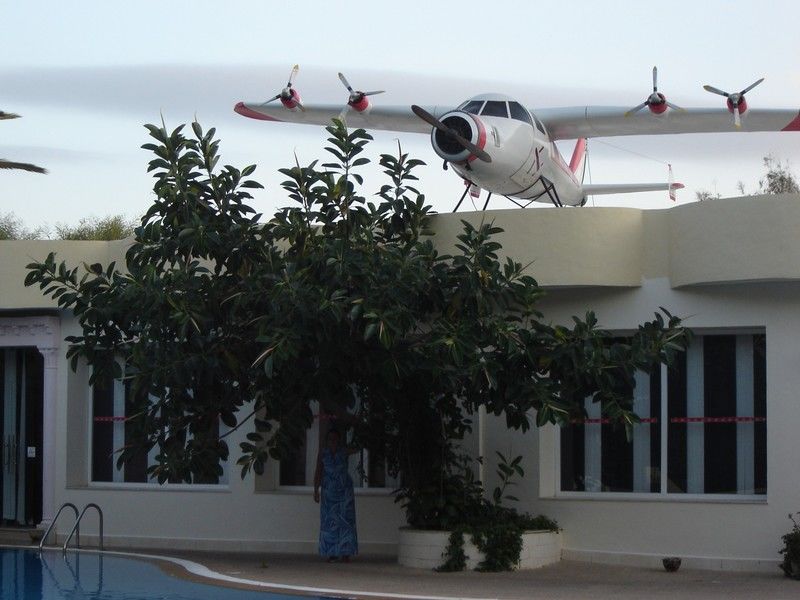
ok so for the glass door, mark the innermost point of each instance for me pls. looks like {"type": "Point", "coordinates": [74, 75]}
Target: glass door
{"type": "Point", "coordinates": [21, 372]}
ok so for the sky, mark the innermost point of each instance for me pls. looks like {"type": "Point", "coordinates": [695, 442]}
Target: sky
{"type": "Point", "coordinates": [87, 75]}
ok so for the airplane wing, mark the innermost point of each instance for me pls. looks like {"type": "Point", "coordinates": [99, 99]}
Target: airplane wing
{"type": "Point", "coordinates": [561, 123]}
{"type": "Point", "coordinates": [610, 121]}
{"type": "Point", "coordinates": [389, 118]}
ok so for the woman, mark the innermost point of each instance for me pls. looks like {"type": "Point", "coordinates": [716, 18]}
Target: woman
{"type": "Point", "coordinates": [337, 510]}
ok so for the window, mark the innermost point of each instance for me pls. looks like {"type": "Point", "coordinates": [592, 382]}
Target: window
{"type": "Point", "coordinates": [367, 467]}
{"type": "Point", "coordinates": [519, 112]}
{"type": "Point", "coordinates": [473, 106]}
{"type": "Point", "coordinates": [495, 108]}
{"type": "Point", "coordinates": [111, 403]}
{"type": "Point", "coordinates": [711, 414]}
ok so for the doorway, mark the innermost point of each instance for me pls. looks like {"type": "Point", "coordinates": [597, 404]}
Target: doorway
{"type": "Point", "coordinates": [21, 404]}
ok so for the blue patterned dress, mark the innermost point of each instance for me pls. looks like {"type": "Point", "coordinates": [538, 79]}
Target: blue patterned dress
{"type": "Point", "coordinates": [337, 508]}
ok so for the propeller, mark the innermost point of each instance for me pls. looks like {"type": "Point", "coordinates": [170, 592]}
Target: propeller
{"type": "Point", "coordinates": [288, 95]}
{"type": "Point", "coordinates": [434, 122]}
{"type": "Point", "coordinates": [736, 102]}
{"type": "Point", "coordinates": [356, 96]}
{"type": "Point", "coordinates": [656, 102]}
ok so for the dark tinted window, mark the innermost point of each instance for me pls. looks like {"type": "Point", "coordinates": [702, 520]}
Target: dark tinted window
{"type": "Point", "coordinates": [495, 108]}
{"type": "Point", "coordinates": [539, 124]}
{"type": "Point", "coordinates": [519, 113]}
{"type": "Point", "coordinates": [473, 106]}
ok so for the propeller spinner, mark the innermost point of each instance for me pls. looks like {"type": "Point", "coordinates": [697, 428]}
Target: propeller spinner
{"type": "Point", "coordinates": [656, 102]}
{"type": "Point", "coordinates": [289, 96]}
{"type": "Point", "coordinates": [736, 102]}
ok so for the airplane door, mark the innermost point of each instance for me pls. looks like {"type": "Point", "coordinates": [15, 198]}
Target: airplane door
{"type": "Point", "coordinates": [21, 376]}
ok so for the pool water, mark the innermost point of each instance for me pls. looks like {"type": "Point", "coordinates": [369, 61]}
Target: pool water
{"type": "Point", "coordinates": [25, 575]}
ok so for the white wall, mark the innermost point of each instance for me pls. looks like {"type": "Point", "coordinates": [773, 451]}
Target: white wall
{"type": "Point", "coordinates": [717, 534]}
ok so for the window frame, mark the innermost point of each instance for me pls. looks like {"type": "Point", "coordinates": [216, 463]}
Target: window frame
{"type": "Point", "coordinates": [313, 442]}
{"type": "Point", "coordinates": [118, 475]}
{"type": "Point", "coordinates": [663, 495]}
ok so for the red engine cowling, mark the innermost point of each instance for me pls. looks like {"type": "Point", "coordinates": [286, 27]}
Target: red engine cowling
{"type": "Point", "coordinates": [658, 108]}
{"type": "Point", "coordinates": [468, 126]}
{"type": "Point", "coordinates": [742, 105]}
{"type": "Point", "coordinates": [360, 104]}
{"type": "Point", "coordinates": [292, 100]}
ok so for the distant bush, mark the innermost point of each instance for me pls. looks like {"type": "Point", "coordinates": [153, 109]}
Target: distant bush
{"type": "Point", "coordinates": [12, 228]}
{"type": "Point", "coordinates": [115, 227]}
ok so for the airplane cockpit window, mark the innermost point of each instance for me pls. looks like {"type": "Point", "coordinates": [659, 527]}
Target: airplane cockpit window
{"type": "Point", "coordinates": [539, 125]}
{"type": "Point", "coordinates": [473, 107]}
{"type": "Point", "coordinates": [519, 112]}
{"type": "Point", "coordinates": [495, 108]}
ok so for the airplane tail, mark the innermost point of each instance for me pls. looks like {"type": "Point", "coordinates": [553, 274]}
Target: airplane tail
{"type": "Point", "coordinates": [577, 163]}
{"type": "Point", "coordinates": [628, 188]}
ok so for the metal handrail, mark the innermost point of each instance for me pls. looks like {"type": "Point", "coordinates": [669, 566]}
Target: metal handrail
{"type": "Point", "coordinates": [78, 523]}
{"type": "Point", "coordinates": [53, 524]}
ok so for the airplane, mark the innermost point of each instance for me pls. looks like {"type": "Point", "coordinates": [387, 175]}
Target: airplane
{"type": "Point", "coordinates": [496, 144]}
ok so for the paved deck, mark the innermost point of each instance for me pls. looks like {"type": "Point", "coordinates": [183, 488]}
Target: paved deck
{"type": "Point", "coordinates": [566, 580]}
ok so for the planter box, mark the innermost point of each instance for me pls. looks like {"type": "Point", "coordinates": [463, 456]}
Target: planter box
{"type": "Point", "coordinates": [423, 549]}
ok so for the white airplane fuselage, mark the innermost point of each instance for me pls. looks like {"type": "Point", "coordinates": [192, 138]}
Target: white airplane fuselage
{"type": "Point", "coordinates": [525, 163]}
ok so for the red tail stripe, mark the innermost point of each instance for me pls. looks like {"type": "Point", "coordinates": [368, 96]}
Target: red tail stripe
{"type": "Point", "coordinates": [577, 155]}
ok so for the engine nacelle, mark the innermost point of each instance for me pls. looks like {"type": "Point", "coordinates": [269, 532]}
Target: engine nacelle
{"type": "Point", "coordinates": [657, 103]}
{"type": "Point", "coordinates": [742, 105]}
{"type": "Point", "coordinates": [292, 100]}
{"type": "Point", "coordinates": [360, 104]}
{"type": "Point", "coordinates": [468, 126]}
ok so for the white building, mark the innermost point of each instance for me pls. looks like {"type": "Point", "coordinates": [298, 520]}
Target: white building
{"type": "Point", "coordinates": [710, 475]}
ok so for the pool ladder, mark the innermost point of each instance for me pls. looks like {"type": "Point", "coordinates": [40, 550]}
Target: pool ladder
{"type": "Point", "coordinates": [76, 528]}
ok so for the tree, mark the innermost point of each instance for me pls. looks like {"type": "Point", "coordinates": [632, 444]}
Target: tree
{"type": "Point", "coordinates": [7, 164]}
{"type": "Point", "coordinates": [336, 300]}
{"type": "Point", "coordinates": [12, 228]}
{"type": "Point", "coordinates": [778, 179]}
{"type": "Point", "coordinates": [703, 195]}
{"type": "Point", "coordinates": [113, 227]}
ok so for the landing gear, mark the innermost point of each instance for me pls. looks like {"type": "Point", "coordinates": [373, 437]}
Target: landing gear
{"type": "Point", "coordinates": [464, 195]}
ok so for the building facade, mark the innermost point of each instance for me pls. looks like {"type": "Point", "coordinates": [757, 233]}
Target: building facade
{"type": "Point", "coordinates": [710, 474]}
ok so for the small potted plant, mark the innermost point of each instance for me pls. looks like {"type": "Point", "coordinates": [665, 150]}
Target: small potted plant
{"type": "Point", "coordinates": [791, 550]}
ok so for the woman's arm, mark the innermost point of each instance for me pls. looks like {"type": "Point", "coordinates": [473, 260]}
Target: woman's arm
{"type": "Point", "coordinates": [318, 476]}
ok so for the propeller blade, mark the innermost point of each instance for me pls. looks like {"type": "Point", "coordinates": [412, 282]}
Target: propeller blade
{"type": "Point", "coordinates": [655, 79]}
{"type": "Point", "coordinates": [346, 83]}
{"type": "Point", "coordinates": [713, 90]}
{"type": "Point", "coordinates": [431, 120]}
{"type": "Point", "coordinates": [373, 93]}
{"type": "Point", "coordinates": [292, 75]}
{"type": "Point", "coordinates": [271, 100]}
{"type": "Point", "coordinates": [737, 118]}
{"type": "Point", "coordinates": [5, 115]}
{"type": "Point", "coordinates": [675, 106]}
{"type": "Point", "coordinates": [300, 105]}
{"type": "Point", "coordinates": [343, 113]}
{"type": "Point", "coordinates": [750, 87]}
{"type": "Point", "coordinates": [7, 164]}
{"type": "Point", "coordinates": [636, 109]}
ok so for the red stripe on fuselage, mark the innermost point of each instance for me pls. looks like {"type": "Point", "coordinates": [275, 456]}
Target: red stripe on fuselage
{"type": "Point", "coordinates": [559, 160]}
{"type": "Point", "coordinates": [248, 112]}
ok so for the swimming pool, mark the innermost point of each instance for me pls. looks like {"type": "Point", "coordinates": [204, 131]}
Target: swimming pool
{"type": "Point", "coordinates": [25, 575]}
